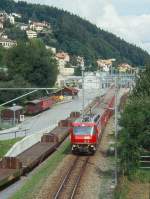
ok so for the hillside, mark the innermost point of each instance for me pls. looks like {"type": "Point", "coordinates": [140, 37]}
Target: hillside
{"type": "Point", "coordinates": [77, 36]}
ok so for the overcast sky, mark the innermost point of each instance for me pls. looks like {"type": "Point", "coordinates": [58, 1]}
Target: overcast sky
{"type": "Point", "coordinates": [129, 19]}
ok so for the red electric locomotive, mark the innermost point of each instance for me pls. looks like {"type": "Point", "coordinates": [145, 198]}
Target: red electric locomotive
{"type": "Point", "coordinates": [85, 132]}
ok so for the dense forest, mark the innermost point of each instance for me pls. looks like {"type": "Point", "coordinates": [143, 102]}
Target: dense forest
{"type": "Point", "coordinates": [75, 35]}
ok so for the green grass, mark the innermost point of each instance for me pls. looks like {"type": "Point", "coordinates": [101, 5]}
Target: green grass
{"type": "Point", "coordinates": [122, 189]}
{"type": "Point", "coordinates": [141, 175]}
{"type": "Point", "coordinates": [33, 185]}
{"type": "Point", "coordinates": [5, 145]}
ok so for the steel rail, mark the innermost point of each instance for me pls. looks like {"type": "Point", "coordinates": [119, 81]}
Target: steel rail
{"type": "Point", "coordinates": [68, 175]}
{"type": "Point", "coordinates": [65, 178]}
{"type": "Point", "coordinates": [79, 178]}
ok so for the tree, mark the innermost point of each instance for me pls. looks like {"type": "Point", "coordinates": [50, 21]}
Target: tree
{"type": "Point", "coordinates": [16, 34]}
{"type": "Point", "coordinates": [33, 62]}
{"type": "Point", "coordinates": [143, 84]}
{"type": "Point", "coordinates": [17, 81]}
{"type": "Point", "coordinates": [135, 134]}
{"type": "Point", "coordinates": [2, 56]}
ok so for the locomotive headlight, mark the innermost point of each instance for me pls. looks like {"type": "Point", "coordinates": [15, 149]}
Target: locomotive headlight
{"type": "Point", "coordinates": [87, 137]}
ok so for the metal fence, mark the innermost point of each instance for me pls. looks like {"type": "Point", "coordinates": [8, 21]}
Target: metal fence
{"type": "Point", "coordinates": [14, 134]}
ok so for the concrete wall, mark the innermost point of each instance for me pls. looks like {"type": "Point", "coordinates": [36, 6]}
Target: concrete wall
{"type": "Point", "coordinates": [27, 142]}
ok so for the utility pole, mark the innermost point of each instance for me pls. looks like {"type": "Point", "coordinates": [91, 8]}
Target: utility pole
{"type": "Point", "coordinates": [116, 129]}
{"type": "Point", "coordinates": [100, 82]}
{"type": "Point", "coordinates": [83, 100]}
{"type": "Point", "coordinates": [14, 120]}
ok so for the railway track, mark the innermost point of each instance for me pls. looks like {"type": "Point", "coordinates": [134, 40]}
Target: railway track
{"type": "Point", "coordinates": [69, 184]}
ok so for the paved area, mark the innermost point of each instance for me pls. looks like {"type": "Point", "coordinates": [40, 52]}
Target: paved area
{"type": "Point", "coordinates": [52, 116]}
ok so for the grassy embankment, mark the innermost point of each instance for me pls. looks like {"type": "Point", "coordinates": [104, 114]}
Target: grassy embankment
{"type": "Point", "coordinates": [5, 145]}
{"type": "Point", "coordinates": [33, 184]}
{"type": "Point", "coordinates": [136, 186]}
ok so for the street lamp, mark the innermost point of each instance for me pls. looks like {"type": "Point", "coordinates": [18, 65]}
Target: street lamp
{"type": "Point", "coordinates": [14, 114]}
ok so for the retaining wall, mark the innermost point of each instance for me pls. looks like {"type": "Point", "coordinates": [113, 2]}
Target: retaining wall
{"type": "Point", "coordinates": [27, 142]}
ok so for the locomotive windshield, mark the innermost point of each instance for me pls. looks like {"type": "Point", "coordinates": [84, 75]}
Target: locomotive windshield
{"type": "Point", "coordinates": [84, 130]}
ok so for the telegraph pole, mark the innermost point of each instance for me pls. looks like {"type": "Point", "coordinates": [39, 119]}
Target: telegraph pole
{"type": "Point", "coordinates": [116, 129]}
{"type": "Point", "coordinates": [83, 100]}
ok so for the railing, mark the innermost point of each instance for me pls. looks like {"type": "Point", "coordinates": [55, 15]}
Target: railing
{"type": "Point", "coordinates": [145, 161]}
{"type": "Point", "coordinates": [14, 134]}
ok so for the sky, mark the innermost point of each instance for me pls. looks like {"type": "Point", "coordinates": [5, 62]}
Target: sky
{"type": "Point", "coordinates": [128, 19]}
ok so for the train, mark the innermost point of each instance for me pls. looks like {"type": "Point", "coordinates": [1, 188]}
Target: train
{"type": "Point", "coordinates": [86, 131]}
{"type": "Point", "coordinates": [38, 105]}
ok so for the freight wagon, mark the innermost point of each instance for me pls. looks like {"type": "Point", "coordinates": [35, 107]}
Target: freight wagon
{"type": "Point", "coordinates": [36, 106]}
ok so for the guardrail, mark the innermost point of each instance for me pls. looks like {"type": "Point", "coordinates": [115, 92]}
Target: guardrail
{"type": "Point", "coordinates": [14, 134]}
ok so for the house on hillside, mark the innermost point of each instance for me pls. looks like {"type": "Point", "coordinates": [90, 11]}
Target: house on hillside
{"type": "Point", "coordinates": [3, 16]}
{"type": "Point", "coordinates": [124, 67]}
{"type": "Point", "coordinates": [80, 60]}
{"type": "Point", "coordinates": [52, 49]}
{"type": "Point", "coordinates": [7, 43]}
{"type": "Point", "coordinates": [63, 58]}
{"type": "Point", "coordinates": [1, 25]}
{"type": "Point", "coordinates": [105, 64]}
{"type": "Point", "coordinates": [16, 15]}
{"type": "Point", "coordinates": [11, 19]}
{"type": "Point", "coordinates": [31, 34]}
{"type": "Point", "coordinates": [3, 35]}
{"type": "Point", "coordinates": [3, 13]}
{"type": "Point", "coordinates": [38, 26]}
{"type": "Point", "coordinates": [22, 26]}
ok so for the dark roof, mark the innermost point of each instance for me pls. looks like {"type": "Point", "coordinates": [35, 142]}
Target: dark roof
{"type": "Point", "coordinates": [14, 108]}
{"type": "Point", "coordinates": [68, 88]}
{"type": "Point", "coordinates": [72, 89]}
{"type": "Point", "coordinates": [36, 101]}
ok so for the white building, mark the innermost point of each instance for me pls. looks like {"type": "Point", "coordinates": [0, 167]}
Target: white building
{"type": "Point", "coordinates": [105, 64]}
{"type": "Point", "coordinates": [16, 15]}
{"type": "Point", "coordinates": [24, 26]}
{"type": "Point", "coordinates": [4, 36]}
{"type": "Point", "coordinates": [63, 56]}
{"type": "Point", "coordinates": [38, 26]}
{"type": "Point", "coordinates": [7, 43]}
{"type": "Point", "coordinates": [31, 34]}
{"type": "Point", "coordinates": [1, 25]}
{"type": "Point", "coordinates": [91, 80]}
{"type": "Point", "coordinates": [63, 70]}
{"type": "Point", "coordinates": [53, 50]}
{"type": "Point", "coordinates": [11, 19]}
{"type": "Point", "coordinates": [60, 80]}
{"type": "Point", "coordinates": [67, 71]}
